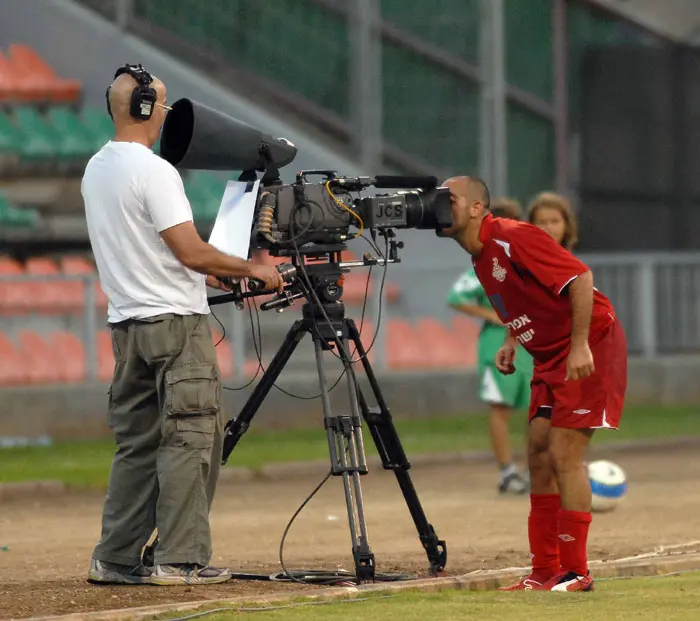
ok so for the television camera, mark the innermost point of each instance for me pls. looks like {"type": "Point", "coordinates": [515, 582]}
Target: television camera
{"type": "Point", "coordinates": [311, 222]}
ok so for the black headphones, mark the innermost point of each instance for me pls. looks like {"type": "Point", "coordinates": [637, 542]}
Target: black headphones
{"type": "Point", "coordinates": [143, 97]}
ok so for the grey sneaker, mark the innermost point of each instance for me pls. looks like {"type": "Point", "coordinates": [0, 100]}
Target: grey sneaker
{"type": "Point", "coordinates": [102, 572]}
{"type": "Point", "coordinates": [514, 483]}
{"type": "Point", "coordinates": [180, 573]}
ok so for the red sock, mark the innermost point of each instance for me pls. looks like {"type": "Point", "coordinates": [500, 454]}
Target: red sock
{"type": "Point", "coordinates": [542, 531]}
{"type": "Point", "coordinates": [573, 537]}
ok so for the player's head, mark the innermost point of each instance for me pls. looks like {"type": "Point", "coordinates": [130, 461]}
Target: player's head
{"type": "Point", "coordinates": [470, 202]}
{"type": "Point", "coordinates": [506, 208]}
{"type": "Point", "coordinates": [553, 213]}
{"type": "Point", "coordinates": [119, 98]}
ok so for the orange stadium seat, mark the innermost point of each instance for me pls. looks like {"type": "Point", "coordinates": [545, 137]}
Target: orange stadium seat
{"type": "Point", "coordinates": [224, 354]}
{"type": "Point", "coordinates": [69, 350]}
{"type": "Point", "coordinates": [404, 348]}
{"type": "Point", "coordinates": [79, 266]}
{"type": "Point", "coordinates": [17, 86]}
{"type": "Point", "coordinates": [13, 366]}
{"type": "Point", "coordinates": [13, 295]}
{"type": "Point", "coordinates": [33, 79]}
{"type": "Point", "coordinates": [443, 350]}
{"type": "Point", "coordinates": [43, 365]}
{"type": "Point", "coordinates": [49, 297]}
{"type": "Point", "coordinates": [105, 356]}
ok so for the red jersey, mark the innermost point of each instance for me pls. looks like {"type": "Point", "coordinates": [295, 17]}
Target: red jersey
{"type": "Point", "coordinates": [525, 274]}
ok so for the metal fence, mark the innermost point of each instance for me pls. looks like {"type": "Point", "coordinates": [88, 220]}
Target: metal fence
{"type": "Point", "coordinates": [656, 296]}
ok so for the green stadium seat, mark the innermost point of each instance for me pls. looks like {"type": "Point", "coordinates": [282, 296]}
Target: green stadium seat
{"type": "Point", "coordinates": [204, 191]}
{"type": "Point", "coordinates": [12, 217]}
{"type": "Point", "coordinates": [39, 141]}
{"type": "Point", "coordinates": [97, 122]}
{"type": "Point", "coordinates": [76, 136]}
{"type": "Point", "coordinates": [10, 136]}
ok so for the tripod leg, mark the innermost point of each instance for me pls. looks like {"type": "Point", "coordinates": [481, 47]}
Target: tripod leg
{"type": "Point", "coordinates": [236, 427]}
{"type": "Point", "coordinates": [345, 462]}
{"type": "Point", "coordinates": [394, 458]}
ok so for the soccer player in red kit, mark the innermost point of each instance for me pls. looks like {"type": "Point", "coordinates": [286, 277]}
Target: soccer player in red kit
{"type": "Point", "coordinates": [545, 296]}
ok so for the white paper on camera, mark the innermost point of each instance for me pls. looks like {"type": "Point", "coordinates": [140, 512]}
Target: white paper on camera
{"type": "Point", "coordinates": [234, 222]}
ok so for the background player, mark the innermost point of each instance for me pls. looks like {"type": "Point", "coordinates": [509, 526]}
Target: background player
{"type": "Point", "coordinates": [554, 214]}
{"type": "Point", "coordinates": [502, 393]}
{"type": "Point", "coordinates": [546, 298]}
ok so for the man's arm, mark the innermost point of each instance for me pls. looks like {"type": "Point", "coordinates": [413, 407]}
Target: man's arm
{"type": "Point", "coordinates": [481, 312]}
{"type": "Point", "coordinates": [579, 363]}
{"type": "Point", "coordinates": [194, 253]}
{"type": "Point", "coordinates": [581, 296]}
{"type": "Point", "coordinates": [170, 211]}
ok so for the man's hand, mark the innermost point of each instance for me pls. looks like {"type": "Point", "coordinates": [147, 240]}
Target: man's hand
{"type": "Point", "coordinates": [579, 364]}
{"type": "Point", "coordinates": [215, 283]}
{"type": "Point", "coordinates": [269, 275]}
{"type": "Point", "coordinates": [505, 358]}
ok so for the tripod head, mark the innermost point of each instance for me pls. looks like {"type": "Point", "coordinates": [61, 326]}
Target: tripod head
{"type": "Point", "coordinates": [315, 273]}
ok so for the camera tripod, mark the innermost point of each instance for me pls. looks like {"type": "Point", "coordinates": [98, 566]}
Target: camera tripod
{"type": "Point", "coordinates": [323, 317]}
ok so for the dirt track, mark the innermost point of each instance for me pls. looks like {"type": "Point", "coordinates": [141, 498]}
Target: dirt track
{"type": "Point", "coordinates": [50, 540]}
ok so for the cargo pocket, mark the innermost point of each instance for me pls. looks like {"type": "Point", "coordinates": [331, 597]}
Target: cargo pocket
{"type": "Point", "coordinates": [192, 390]}
{"type": "Point", "coordinates": [196, 433]}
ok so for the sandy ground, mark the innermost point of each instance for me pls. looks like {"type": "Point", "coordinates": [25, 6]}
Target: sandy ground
{"type": "Point", "coordinates": [50, 540]}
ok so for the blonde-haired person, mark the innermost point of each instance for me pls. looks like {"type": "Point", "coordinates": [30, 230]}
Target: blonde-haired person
{"type": "Point", "coordinates": [503, 393]}
{"type": "Point", "coordinates": [553, 213]}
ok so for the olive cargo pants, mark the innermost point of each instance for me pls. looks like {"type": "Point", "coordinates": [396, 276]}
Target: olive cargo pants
{"type": "Point", "coordinates": [166, 416]}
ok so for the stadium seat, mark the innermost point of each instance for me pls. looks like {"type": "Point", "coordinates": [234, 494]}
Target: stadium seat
{"type": "Point", "coordinates": [204, 191]}
{"type": "Point", "coordinates": [50, 297]}
{"type": "Point", "coordinates": [224, 354]}
{"type": "Point", "coordinates": [39, 145]}
{"type": "Point", "coordinates": [13, 367]}
{"type": "Point", "coordinates": [43, 364]}
{"type": "Point", "coordinates": [77, 139]}
{"type": "Point", "coordinates": [70, 352]}
{"type": "Point", "coordinates": [19, 86]}
{"type": "Point", "coordinates": [28, 62]}
{"type": "Point", "coordinates": [97, 123]}
{"type": "Point", "coordinates": [10, 136]}
{"type": "Point", "coordinates": [15, 218]}
{"type": "Point", "coordinates": [404, 348]}
{"type": "Point", "coordinates": [14, 296]}
{"type": "Point", "coordinates": [442, 349]}
{"type": "Point", "coordinates": [78, 266]}
{"type": "Point", "coordinates": [465, 332]}
{"type": "Point", "coordinates": [105, 356]}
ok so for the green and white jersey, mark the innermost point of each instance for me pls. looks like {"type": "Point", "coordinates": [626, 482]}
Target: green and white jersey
{"type": "Point", "coordinates": [468, 290]}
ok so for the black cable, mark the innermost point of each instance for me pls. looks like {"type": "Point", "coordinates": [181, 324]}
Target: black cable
{"type": "Point", "coordinates": [291, 521]}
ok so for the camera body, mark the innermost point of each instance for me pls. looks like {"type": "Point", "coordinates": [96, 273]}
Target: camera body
{"type": "Point", "coordinates": [303, 212]}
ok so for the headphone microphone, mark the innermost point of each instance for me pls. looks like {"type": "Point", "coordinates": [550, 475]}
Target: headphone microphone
{"type": "Point", "coordinates": [143, 97]}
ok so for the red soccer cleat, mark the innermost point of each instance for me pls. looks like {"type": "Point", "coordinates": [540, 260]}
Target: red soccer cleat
{"type": "Point", "coordinates": [569, 581]}
{"type": "Point", "coordinates": [526, 583]}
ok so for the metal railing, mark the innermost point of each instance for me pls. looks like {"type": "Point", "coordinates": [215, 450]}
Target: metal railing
{"type": "Point", "coordinates": [656, 297]}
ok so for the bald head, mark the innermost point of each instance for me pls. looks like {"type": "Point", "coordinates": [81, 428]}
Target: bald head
{"type": "Point", "coordinates": [130, 129]}
{"type": "Point", "coordinates": [120, 97]}
{"type": "Point", "coordinates": [472, 189]}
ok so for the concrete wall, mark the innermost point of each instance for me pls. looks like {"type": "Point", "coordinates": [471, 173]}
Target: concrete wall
{"type": "Point", "coordinates": [80, 411]}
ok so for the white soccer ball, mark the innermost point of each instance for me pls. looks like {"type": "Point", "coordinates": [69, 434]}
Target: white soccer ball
{"type": "Point", "coordinates": [608, 485]}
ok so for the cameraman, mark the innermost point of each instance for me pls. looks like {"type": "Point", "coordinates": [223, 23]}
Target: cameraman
{"type": "Point", "coordinates": [165, 398]}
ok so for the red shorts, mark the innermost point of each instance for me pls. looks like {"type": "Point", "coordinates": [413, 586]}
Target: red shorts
{"type": "Point", "coordinates": [594, 402]}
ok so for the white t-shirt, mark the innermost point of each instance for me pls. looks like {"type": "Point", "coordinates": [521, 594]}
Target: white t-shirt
{"type": "Point", "coordinates": [130, 195]}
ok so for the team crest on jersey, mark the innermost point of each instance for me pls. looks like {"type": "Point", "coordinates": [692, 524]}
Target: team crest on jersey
{"type": "Point", "coordinates": [499, 273]}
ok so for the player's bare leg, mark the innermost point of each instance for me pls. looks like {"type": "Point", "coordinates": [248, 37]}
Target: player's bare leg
{"type": "Point", "coordinates": [544, 509]}
{"type": "Point", "coordinates": [567, 453]}
{"type": "Point", "coordinates": [511, 480]}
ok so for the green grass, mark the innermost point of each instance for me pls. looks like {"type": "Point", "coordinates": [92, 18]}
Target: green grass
{"type": "Point", "coordinates": [86, 463]}
{"type": "Point", "coordinates": [675, 598]}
